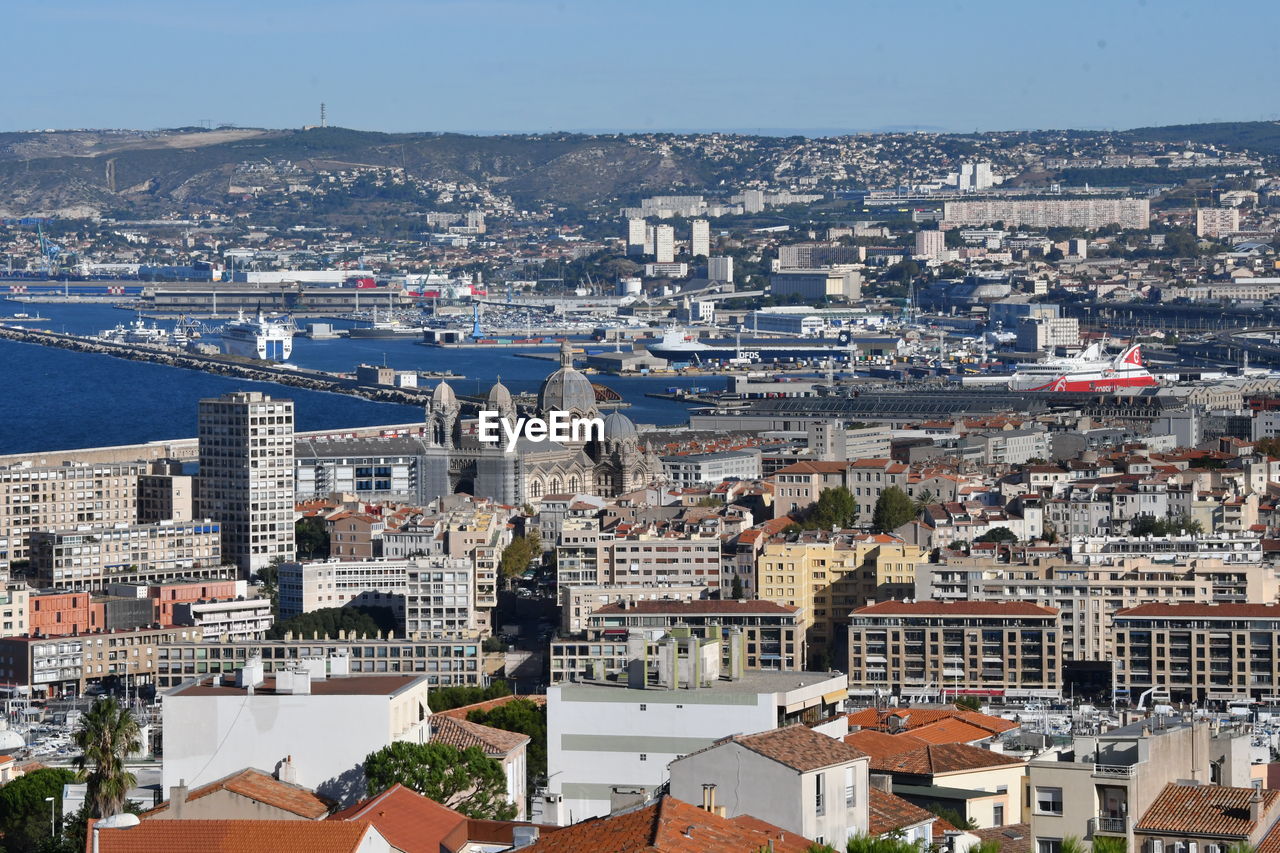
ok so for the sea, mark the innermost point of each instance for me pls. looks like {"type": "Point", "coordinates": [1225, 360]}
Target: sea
{"type": "Point", "coordinates": [59, 400]}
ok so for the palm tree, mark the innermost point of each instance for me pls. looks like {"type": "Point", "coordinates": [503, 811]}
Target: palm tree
{"type": "Point", "coordinates": [1071, 844]}
{"type": "Point", "coordinates": [108, 734]}
{"type": "Point", "coordinates": [1111, 844]}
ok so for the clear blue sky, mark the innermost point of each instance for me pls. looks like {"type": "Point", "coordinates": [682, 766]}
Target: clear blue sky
{"type": "Point", "coordinates": [530, 65]}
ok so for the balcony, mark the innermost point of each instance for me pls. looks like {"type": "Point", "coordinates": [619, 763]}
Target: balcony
{"type": "Point", "coordinates": [1115, 771]}
{"type": "Point", "coordinates": [1108, 826]}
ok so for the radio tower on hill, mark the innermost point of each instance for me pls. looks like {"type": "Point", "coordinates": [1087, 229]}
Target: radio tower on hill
{"type": "Point", "coordinates": [322, 118]}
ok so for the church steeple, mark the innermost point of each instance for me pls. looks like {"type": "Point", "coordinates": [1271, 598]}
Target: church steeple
{"type": "Point", "coordinates": [566, 353]}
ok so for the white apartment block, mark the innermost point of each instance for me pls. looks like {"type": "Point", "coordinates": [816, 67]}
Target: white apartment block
{"type": "Point", "coordinates": [247, 476]}
{"type": "Point", "coordinates": [1049, 213]}
{"type": "Point", "coordinates": [92, 556]}
{"type": "Point", "coordinates": [440, 597]}
{"type": "Point", "coordinates": [305, 587]}
{"type": "Point", "coordinates": [230, 620]}
{"type": "Point", "coordinates": [1217, 221]}
{"type": "Point", "coordinates": [931, 244]}
{"type": "Point", "coordinates": [664, 244]}
{"type": "Point", "coordinates": [700, 238]}
{"type": "Point", "coordinates": [720, 269]}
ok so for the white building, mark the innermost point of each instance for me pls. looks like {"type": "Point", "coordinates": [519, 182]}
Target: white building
{"type": "Point", "coordinates": [1217, 221]}
{"type": "Point", "coordinates": [1049, 213]}
{"type": "Point", "coordinates": [832, 282]}
{"type": "Point", "coordinates": [664, 244]}
{"type": "Point", "coordinates": [974, 177]}
{"type": "Point", "coordinates": [607, 741]}
{"type": "Point", "coordinates": [931, 244]}
{"type": "Point", "coordinates": [305, 587]}
{"type": "Point", "coordinates": [246, 479]}
{"type": "Point", "coordinates": [231, 619]}
{"type": "Point", "coordinates": [700, 238]}
{"type": "Point", "coordinates": [440, 596]}
{"type": "Point", "coordinates": [697, 469]}
{"type": "Point", "coordinates": [636, 233]}
{"type": "Point", "coordinates": [720, 269]}
{"type": "Point", "coordinates": [804, 781]}
{"type": "Point", "coordinates": [318, 725]}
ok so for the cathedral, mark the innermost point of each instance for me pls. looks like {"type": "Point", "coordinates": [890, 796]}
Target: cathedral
{"type": "Point", "coordinates": [607, 465]}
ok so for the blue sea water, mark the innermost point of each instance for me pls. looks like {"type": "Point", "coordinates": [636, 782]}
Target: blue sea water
{"type": "Point", "coordinates": [57, 399]}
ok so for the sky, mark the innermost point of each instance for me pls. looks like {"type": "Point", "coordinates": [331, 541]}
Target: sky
{"type": "Point", "coordinates": [807, 66]}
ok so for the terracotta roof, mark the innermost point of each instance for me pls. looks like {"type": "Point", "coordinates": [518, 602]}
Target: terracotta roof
{"type": "Point", "coordinates": [813, 468]}
{"type": "Point", "coordinates": [408, 820]}
{"type": "Point", "coordinates": [1203, 810]}
{"type": "Point", "coordinates": [263, 788]}
{"type": "Point", "coordinates": [951, 731]}
{"type": "Point", "coordinates": [669, 825]}
{"type": "Point", "coordinates": [728, 607]}
{"type": "Point", "coordinates": [231, 836]}
{"type": "Point", "coordinates": [942, 758]}
{"type": "Point", "coordinates": [488, 705]}
{"type": "Point", "coordinates": [797, 747]}
{"type": "Point", "coordinates": [1012, 838]}
{"type": "Point", "coordinates": [955, 608]}
{"type": "Point", "coordinates": [1191, 610]}
{"type": "Point", "coordinates": [464, 733]}
{"type": "Point", "coordinates": [887, 812]}
{"type": "Point", "coordinates": [882, 744]}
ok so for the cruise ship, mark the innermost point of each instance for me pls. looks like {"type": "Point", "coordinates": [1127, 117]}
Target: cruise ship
{"type": "Point", "coordinates": [268, 339]}
{"type": "Point", "coordinates": [379, 328]}
{"type": "Point", "coordinates": [678, 345]}
{"type": "Point", "coordinates": [1091, 370]}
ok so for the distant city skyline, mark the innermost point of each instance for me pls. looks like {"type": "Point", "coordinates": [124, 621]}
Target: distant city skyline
{"type": "Point", "coordinates": [492, 66]}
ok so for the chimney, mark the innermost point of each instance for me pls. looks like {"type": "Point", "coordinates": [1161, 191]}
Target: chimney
{"type": "Point", "coordinates": [709, 797]}
{"type": "Point", "coordinates": [177, 799]}
{"type": "Point", "coordinates": [1255, 807]}
{"type": "Point", "coordinates": [882, 781]}
{"type": "Point", "coordinates": [287, 772]}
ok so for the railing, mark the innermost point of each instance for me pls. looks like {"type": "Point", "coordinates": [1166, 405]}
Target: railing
{"type": "Point", "coordinates": [1109, 825]}
{"type": "Point", "coordinates": [1118, 771]}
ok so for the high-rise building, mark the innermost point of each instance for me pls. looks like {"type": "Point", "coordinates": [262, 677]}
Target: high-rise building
{"type": "Point", "coordinates": [636, 232]}
{"type": "Point", "coordinates": [1217, 221]}
{"type": "Point", "coordinates": [246, 478]}
{"type": "Point", "coordinates": [664, 244]}
{"type": "Point", "coordinates": [700, 241]}
{"type": "Point", "coordinates": [720, 269]}
{"type": "Point", "coordinates": [975, 177]}
{"type": "Point", "coordinates": [1050, 213]}
{"type": "Point", "coordinates": [753, 201]}
{"type": "Point", "coordinates": [931, 244]}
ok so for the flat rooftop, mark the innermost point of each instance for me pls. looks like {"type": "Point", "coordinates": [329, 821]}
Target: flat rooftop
{"type": "Point", "coordinates": [752, 681]}
{"type": "Point", "coordinates": [343, 685]}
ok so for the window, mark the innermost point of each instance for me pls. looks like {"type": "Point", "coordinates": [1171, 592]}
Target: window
{"type": "Point", "coordinates": [849, 793]}
{"type": "Point", "coordinates": [1157, 846]}
{"type": "Point", "coordinates": [1048, 801]}
{"type": "Point", "coordinates": [997, 815]}
{"type": "Point", "coordinates": [644, 757]}
{"type": "Point", "coordinates": [818, 788]}
{"type": "Point", "coordinates": [1049, 845]}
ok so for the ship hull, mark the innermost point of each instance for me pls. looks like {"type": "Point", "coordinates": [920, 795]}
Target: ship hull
{"type": "Point", "coordinates": [1068, 384]}
{"type": "Point", "coordinates": [384, 333]}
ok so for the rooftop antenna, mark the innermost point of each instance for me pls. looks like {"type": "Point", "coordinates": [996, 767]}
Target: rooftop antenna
{"type": "Point", "coordinates": [323, 120]}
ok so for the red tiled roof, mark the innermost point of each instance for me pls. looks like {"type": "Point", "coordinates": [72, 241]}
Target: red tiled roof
{"type": "Point", "coordinates": [955, 608]}
{"type": "Point", "coordinates": [950, 731]}
{"type": "Point", "coordinates": [888, 812]}
{"type": "Point", "coordinates": [728, 607]}
{"type": "Point", "coordinates": [797, 747]}
{"type": "Point", "coordinates": [263, 788]}
{"type": "Point", "coordinates": [942, 758]}
{"type": "Point", "coordinates": [464, 733]}
{"type": "Point", "coordinates": [1012, 838]}
{"type": "Point", "coordinates": [669, 825]}
{"type": "Point", "coordinates": [488, 705]}
{"type": "Point", "coordinates": [408, 820]}
{"type": "Point", "coordinates": [1189, 610]}
{"type": "Point", "coordinates": [231, 836]}
{"type": "Point", "coordinates": [1203, 810]}
{"type": "Point", "coordinates": [881, 744]}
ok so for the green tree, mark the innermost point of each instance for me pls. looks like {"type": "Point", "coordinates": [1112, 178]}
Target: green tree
{"type": "Point", "coordinates": [107, 735]}
{"type": "Point", "coordinates": [735, 589]}
{"type": "Point", "coordinates": [448, 698]}
{"type": "Point", "coordinates": [892, 843]}
{"type": "Point", "coordinates": [1149, 525]}
{"type": "Point", "coordinates": [328, 621]}
{"type": "Point", "coordinates": [24, 814]}
{"type": "Point", "coordinates": [997, 534]}
{"type": "Point", "coordinates": [953, 817]}
{"type": "Point", "coordinates": [527, 718]}
{"type": "Point", "coordinates": [1115, 844]}
{"type": "Point", "coordinates": [520, 554]}
{"type": "Point", "coordinates": [312, 536]}
{"type": "Point", "coordinates": [463, 779]}
{"type": "Point", "coordinates": [894, 508]}
{"type": "Point", "coordinates": [835, 508]}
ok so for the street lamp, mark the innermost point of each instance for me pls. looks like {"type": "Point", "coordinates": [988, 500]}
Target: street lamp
{"type": "Point", "coordinates": [52, 819]}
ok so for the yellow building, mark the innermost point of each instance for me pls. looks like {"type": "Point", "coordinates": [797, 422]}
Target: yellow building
{"type": "Point", "coordinates": [828, 575]}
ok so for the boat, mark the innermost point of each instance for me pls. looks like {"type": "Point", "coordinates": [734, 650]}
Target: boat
{"type": "Point", "coordinates": [1091, 370]}
{"type": "Point", "coordinates": [677, 346]}
{"type": "Point", "coordinates": [138, 332]}
{"type": "Point", "coordinates": [384, 329]}
{"type": "Point", "coordinates": [265, 338]}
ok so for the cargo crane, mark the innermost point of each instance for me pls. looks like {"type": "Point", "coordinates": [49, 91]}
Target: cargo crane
{"type": "Point", "coordinates": [49, 252]}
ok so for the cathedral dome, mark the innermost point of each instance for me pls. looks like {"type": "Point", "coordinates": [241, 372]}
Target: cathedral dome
{"type": "Point", "coordinates": [566, 390]}
{"type": "Point", "coordinates": [499, 396]}
{"type": "Point", "coordinates": [443, 395]}
{"type": "Point", "coordinates": [618, 427]}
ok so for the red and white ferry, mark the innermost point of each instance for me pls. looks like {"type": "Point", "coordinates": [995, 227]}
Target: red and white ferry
{"type": "Point", "coordinates": [1091, 370]}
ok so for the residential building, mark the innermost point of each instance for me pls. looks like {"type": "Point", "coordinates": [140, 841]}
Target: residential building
{"type": "Point", "coordinates": [931, 244]}
{"type": "Point", "coordinates": [1045, 334]}
{"type": "Point", "coordinates": [700, 239]}
{"type": "Point", "coordinates": [579, 600]}
{"type": "Point", "coordinates": [92, 556]}
{"type": "Point", "coordinates": [720, 269]}
{"type": "Point", "coordinates": [636, 233]}
{"type": "Point", "coordinates": [452, 661]}
{"type": "Point", "coordinates": [664, 244]}
{"type": "Point", "coordinates": [817, 284]}
{"type": "Point", "coordinates": [1089, 213]}
{"type": "Point", "coordinates": [233, 619]}
{"type": "Point", "coordinates": [14, 607]}
{"type": "Point", "coordinates": [959, 648]}
{"type": "Point", "coordinates": [240, 836]}
{"type": "Point", "coordinates": [213, 725]}
{"type": "Point", "coordinates": [802, 780]}
{"type": "Point", "coordinates": [166, 494]}
{"type": "Point", "coordinates": [246, 481]}
{"type": "Point", "coordinates": [440, 597]}
{"type": "Point", "coordinates": [507, 748]}
{"type": "Point", "coordinates": [1217, 221]}
{"type": "Point", "coordinates": [52, 667]}
{"type": "Point", "coordinates": [247, 794]}
{"type": "Point", "coordinates": [1214, 818]}
{"type": "Point", "coordinates": [38, 497]}
{"type": "Point", "coordinates": [609, 740]}
{"type": "Point", "coordinates": [308, 586]}
{"type": "Point", "coordinates": [696, 469]}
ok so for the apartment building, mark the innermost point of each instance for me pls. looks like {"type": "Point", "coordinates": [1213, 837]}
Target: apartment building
{"type": "Point", "coordinates": [455, 661]}
{"type": "Point", "coordinates": [166, 494]}
{"type": "Point", "coordinates": [697, 469]}
{"type": "Point", "coordinates": [967, 648]}
{"type": "Point", "coordinates": [827, 576]}
{"type": "Point", "coordinates": [440, 597]}
{"type": "Point", "coordinates": [308, 586]}
{"type": "Point", "coordinates": [579, 601]}
{"type": "Point", "coordinates": [1217, 221]}
{"type": "Point", "coordinates": [92, 556]}
{"type": "Point", "coordinates": [246, 481]}
{"type": "Point", "coordinates": [771, 636]}
{"type": "Point", "coordinates": [51, 667]}
{"type": "Point", "coordinates": [232, 619]}
{"type": "Point", "coordinates": [58, 497]}
{"type": "Point", "coordinates": [799, 485]}
{"type": "Point", "coordinates": [1087, 213]}
{"type": "Point", "coordinates": [14, 599]}
{"type": "Point", "coordinates": [1198, 652]}
{"type": "Point", "coordinates": [1089, 595]}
